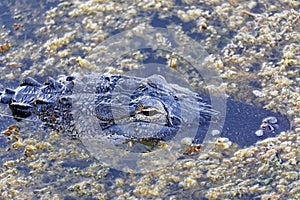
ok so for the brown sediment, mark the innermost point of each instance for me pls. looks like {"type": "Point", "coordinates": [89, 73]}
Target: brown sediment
{"type": "Point", "coordinates": [4, 48]}
{"type": "Point", "coordinates": [11, 130]}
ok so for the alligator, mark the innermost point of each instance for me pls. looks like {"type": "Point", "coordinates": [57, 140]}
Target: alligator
{"type": "Point", "coordinates": [139, 109]}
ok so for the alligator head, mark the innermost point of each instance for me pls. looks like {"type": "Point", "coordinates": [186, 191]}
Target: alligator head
{"type": "Point", "coordinates": [148, 108]}
{"type": "Point", "coordinates": [140, 109]}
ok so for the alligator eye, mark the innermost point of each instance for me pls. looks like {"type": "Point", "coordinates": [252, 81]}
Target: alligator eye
{"type": "Point", "coordinates": [149, 111]}
{"type": "Point", "coordinates": [151, 114]}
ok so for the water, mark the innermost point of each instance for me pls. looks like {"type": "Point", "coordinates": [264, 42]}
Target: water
{"type": "Point", "coordinates": [63, 38]}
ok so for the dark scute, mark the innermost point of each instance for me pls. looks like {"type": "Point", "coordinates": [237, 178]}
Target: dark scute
{"type": "Point", "coordinates": [52, 86]}
{"type": "Point", "coordinates": [30, 82]}
{"type": "Point", "coordinates": [7, 95]}
{"type": "Point", "coordinates": [70, 78]}
{"type": "Point", "coordinates": [66, 101]}
{"type": "Point", "coordinates": [20, 111]}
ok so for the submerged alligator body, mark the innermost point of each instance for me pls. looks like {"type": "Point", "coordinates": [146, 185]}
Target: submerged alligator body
{"type": "Point", "coordinates": [140, 109]}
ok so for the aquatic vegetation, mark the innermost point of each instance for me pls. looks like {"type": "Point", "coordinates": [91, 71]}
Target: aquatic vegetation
{"type": "Point", "coordinates": [254, 46]}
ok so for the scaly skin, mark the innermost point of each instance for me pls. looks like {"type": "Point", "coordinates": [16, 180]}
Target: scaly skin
{"type": "Point", "coordinates": [140, 109]}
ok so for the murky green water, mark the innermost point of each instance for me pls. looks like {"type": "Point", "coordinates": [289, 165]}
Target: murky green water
{"type": "Point", "coordinates": [253, 45]}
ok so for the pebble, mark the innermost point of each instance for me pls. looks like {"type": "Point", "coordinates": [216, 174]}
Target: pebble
{"type": "Point", "coordinates": [258, 93]}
